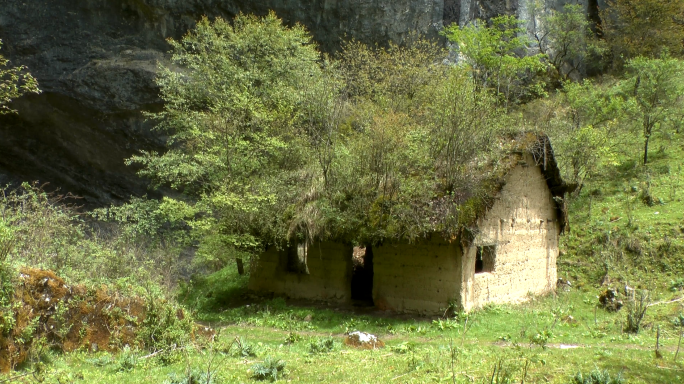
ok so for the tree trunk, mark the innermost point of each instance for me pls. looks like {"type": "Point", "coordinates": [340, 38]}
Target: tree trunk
{"type": "Point", "coordinates": [646, 150]}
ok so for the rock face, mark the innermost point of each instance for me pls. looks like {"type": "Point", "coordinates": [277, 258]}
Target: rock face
{"type": "Point", "coordinates": [96, 60]}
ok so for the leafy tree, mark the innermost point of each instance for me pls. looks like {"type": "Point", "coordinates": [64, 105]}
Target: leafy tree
{"type": "Point", "coordinates": [393, 76]}
{"type": "Point", "coordinates": [583, 121]}
{"type": "Point", "coordinates": [271, 142]}
{"type": "Point", "coordinates": [237, 115]}
{"type": "Point", "coordinates": [654, 88]}
{"type": "Point", "coordinates": [565, 37]}
{"type": "Point", "coordinates": [14, 82]}
{"type": "Point", "coordinates": [497, 56]}
{"type": "Point", "coordinates": [643, 28]}
{"type": "Point", "coordinates": [463, 124]}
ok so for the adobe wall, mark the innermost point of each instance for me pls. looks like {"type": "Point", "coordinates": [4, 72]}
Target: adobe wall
{"type": "Point", "coordinates": [524, 226]}
{"type": "Point", "coordinates": [421, 277]}
{"type": "Point", "coordinates": [329, 278]}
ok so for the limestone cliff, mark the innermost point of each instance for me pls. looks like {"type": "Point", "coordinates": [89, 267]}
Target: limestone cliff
{"type": "Point", "coordinates": [96, 60]}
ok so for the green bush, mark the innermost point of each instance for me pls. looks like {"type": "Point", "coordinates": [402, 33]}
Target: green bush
{"type": "Point", "coordinates": [292, 338]}
{"type": "Point", "coordinates": [271, 369]}
{"type": "Point", "coordinates": [46, 230]}
{"type": "Point", "coordinates": [166, 324]}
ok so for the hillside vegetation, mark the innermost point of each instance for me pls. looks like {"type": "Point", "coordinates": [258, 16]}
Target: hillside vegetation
{"type": "Point", "coordinates": [270, 141]}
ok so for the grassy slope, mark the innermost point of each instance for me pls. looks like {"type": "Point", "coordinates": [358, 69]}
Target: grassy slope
{"type": "Point", "coordinates": [638, 247]}
{"type": "Point", "coordinates": [616, 233]}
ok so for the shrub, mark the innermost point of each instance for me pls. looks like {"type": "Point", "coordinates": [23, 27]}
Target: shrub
{"type": "Point", "coordinates": [46, 230]}
{"type": "Point", "coordinates": [271, 369]}
{"type": "Point", "coordinates": [166, 324]}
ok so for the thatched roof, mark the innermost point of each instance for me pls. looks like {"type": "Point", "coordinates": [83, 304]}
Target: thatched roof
{"type": "Point", "coordinates": [452, 215]}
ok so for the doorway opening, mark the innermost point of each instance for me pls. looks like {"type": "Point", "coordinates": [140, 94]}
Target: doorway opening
{"type": "Point", "coordinates": [362, 276]}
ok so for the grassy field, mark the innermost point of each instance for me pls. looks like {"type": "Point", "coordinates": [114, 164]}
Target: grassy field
{"type": "Point", "coordinates": [552, 338]}
{"type": "Point", "coordinates": [627, 229]}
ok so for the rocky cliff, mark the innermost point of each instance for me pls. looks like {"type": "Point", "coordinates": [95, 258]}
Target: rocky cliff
{"type": "Point", "coordinates": [96, 60]}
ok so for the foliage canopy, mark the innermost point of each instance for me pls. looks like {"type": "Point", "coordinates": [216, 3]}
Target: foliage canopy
{"type": "Point", "coordinates": [643, 28]}
{"type": "Point", "coordinates": [271, 141]}
{"type": "Point", "coordinates": [14, 82]}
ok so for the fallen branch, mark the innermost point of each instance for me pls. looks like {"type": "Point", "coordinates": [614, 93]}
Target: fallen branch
{"type": "Point", "coordinates": [666, 302]}
{"type": "Point", "coordinates": [152, 354]}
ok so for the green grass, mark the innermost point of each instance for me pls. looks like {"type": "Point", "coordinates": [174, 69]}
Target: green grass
{"type": "Point", "coordinates": [616, 233]}
{"type": "Point", "coordinates": [418, 350]}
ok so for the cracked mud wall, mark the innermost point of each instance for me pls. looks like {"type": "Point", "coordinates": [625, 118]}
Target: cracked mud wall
{"type": "Point", "coordinates": [524, 227]}
{"type": "Point", "coordinates": [422, 277]}
{"type": "Point", "coordinates": [329, 278]}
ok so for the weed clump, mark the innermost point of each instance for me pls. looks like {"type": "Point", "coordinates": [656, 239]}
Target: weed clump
{"type": "Point", "coordinates": [243, 348]}
{"type": "Point", "coordinates": [321, 345]}
{"type": "Point", "coordinates": [403, 348]}
{"type": "Point", "coordinates": [596, 377]}
{"type": "Point", "coordinates": [127, 360]}
{"type": "Point", "coordinates": [292, 338]}
{"type": "Point", "coordinates": [193, 376]}
{"type": "Point", "coordinates": [271, 369]}
{"type": "Point", "coordinates": [636, 310]}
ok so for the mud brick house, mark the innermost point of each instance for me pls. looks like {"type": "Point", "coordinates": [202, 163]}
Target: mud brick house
{"type": "Point", "coordinates": [508, 253]}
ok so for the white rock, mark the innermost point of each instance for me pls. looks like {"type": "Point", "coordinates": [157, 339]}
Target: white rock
{"type": "Point", "coordinates": [364, 337]}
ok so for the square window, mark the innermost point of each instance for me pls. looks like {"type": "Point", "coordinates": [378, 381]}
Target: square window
{"type": "Point", "coordinates": [485, 259]}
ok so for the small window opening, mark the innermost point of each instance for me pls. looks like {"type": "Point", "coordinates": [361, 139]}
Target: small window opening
{"type": "Point", "coordinates": [362, 276]}
{"type": "Point", "coordinates": [297, 259]}
{"type": "Point", "coordinates": [485, 259]}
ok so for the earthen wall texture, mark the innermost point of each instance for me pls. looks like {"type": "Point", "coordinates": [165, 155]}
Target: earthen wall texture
{"type": "Point", "coordinates": [422, 277]}
{"type": "Point", "coordinates": [329, 278]}
{"type": "Point", "coordinates": [524, 227]}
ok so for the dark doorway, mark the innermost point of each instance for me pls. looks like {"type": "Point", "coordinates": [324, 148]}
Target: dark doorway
{"type": "Point", "coordinates": [362, 276]}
